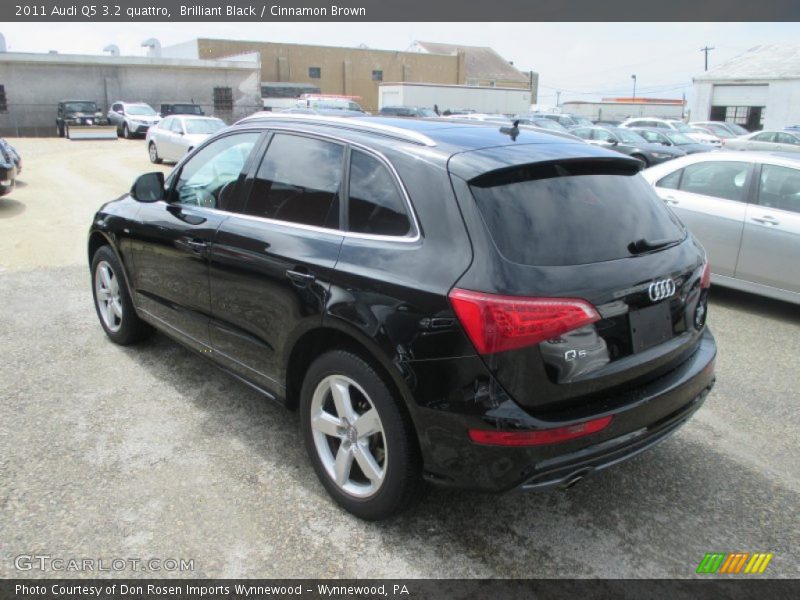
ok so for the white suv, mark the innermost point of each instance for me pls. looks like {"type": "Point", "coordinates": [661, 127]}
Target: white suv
{"type": "Point", "coordinates": [676, 125]}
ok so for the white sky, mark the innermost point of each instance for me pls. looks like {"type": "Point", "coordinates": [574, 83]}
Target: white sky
{"type": "Point", "coordinates": [583, 60]}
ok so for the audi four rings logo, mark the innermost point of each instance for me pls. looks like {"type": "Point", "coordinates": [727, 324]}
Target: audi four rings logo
{"type": "Point", "coordinates": [661, 290]}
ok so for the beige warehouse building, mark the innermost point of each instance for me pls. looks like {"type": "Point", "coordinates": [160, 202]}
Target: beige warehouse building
{"type": "Point", "coordinates": [359, 71]}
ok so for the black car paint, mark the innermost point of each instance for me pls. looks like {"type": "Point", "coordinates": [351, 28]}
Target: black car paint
{"type": "Point", "coordinates": [226, 285]}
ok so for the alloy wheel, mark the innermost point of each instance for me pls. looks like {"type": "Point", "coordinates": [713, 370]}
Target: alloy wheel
{"type": "Point", "coordinates": [107, 294]}
{"type": "Point", "coordinates": [349, 436]}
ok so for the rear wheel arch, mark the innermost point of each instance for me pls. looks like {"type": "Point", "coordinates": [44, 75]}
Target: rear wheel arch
{"type": "Point", "coordinates": [316, 342]}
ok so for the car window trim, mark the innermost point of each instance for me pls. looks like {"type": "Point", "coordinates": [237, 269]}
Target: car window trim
{"type": "Point", "coordinates": [416, 232]}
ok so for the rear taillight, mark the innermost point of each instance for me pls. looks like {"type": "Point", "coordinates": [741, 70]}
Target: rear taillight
{"type": "Point", "coordinates": [705, 278]}
{"type": "Point", "coordinates": [497, 323]}
{"type": "Point", "coordinates": [493, 437]}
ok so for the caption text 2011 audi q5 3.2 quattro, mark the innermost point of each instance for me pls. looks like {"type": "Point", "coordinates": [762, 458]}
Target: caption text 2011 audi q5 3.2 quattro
{"type": "Point", "coordinates": [460, 304]}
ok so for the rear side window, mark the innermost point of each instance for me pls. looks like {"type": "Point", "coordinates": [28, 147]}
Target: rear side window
{"type": "Point", "coordinates": [376, 205]}
{"type": "Point", "coordinates": [299, 181]}
{"type": "Point", "coordinates": [571, 213]}
{"type": "Point", "coordinates": [723, 179]}
{"type": "Point", "coordinates": [671, 181]}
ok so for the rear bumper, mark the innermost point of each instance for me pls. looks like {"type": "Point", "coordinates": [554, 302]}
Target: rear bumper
{"type": "Point", "coordinates": [647, 416]}
{"type": "Point", "coordinates": [569, 469]}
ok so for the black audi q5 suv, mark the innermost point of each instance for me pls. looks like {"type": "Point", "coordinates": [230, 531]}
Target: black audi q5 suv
{"type": "Point", "coordinates": [460, 304]}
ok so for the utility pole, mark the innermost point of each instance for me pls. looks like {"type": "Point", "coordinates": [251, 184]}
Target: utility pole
{"type": "Point", "coordinates": [558, 97]}
{"type": "Point", "coordinates": [706, 50]}
{"type": "Point", "coordinates": [634, 86]}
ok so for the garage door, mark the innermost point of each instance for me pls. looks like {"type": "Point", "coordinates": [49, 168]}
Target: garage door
{"type": "Point", "coordinates": [740, 95]}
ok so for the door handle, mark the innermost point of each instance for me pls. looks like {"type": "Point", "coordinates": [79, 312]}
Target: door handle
{"type": "Point", "coordinates": [670, 200]}
{"type": "Point", "coordinates": [300, 278]}
{"type": "Point", "coordinates": [767, 220]}
{"type": "Point", "coordinates": [192, 245]}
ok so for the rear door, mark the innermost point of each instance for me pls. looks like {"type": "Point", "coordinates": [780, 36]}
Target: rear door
{"type": "Point", "coordinates": [710, 198]}
{"type": "Point", "coordinates": [770, 253]}
{"type": "Point", "coordinates": [272, 261]}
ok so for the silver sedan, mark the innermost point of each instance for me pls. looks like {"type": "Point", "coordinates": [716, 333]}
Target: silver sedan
{"type": "Point", "coordinates": [774, 141]}
{"type": "Point", "coordinates": [744, 207]}
{"type": "Point", "coordinates": [176, 135]}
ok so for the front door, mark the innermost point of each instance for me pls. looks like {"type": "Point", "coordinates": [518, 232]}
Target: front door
{"type": "Point", "coordinates": [170, 244]}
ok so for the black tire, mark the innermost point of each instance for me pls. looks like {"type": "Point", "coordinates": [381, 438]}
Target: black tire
{"type": "Point", "coordinates": [126, 133]}
{"type": "Point", "coordinates": [152, 151]}
{"type": "Point", "coordinates": [66, 131]}
{"type": "Point", "coordinates": [60, 130]}
{"type": "Point", "coordinates": [131, 328]}
{"type": "Point", "coordinates": [402, 485]}
{"type": "Point", "coordinates": [641, 159]}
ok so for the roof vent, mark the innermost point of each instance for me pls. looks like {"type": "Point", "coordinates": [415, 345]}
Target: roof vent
{"type": "Point", "coordinates": [154, 47]}
{"type": "Point", "coordinates": [112, 49]}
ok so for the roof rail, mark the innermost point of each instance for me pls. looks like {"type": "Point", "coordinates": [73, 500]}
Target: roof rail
{"type": "Point", "coordinates": [352, 123]}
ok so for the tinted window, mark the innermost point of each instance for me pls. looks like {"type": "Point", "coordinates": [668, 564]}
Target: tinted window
{"type": "Point", "coordinates": [299, 181]}
{"type": "Point", "coordinates": [570, 214]}
{"type": "Point", "coordinates": [585, 133]}
{"type": "Point", "coordinates": [204, 179]}
{"type": "Point", "coordinates": [375, 204]}
{"type": "Point", "coordinates": [670, 181]}
{"type": "Point", "coordinates": [779, 187]}
{"type": "Point", "coordinates": [719, 179]}
{"type": "Point", "coordinates": [785, 138]}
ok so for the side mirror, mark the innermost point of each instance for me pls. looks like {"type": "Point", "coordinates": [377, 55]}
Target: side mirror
{"type": "Point", "coordinates": [148, 187]}
{"type": "Point", "coordinates": [612, 141]}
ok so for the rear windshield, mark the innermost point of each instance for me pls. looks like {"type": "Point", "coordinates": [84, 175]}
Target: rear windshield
{"type": "Point", "coordinates": [571, 214]}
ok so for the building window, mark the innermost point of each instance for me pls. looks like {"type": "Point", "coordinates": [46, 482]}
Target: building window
{"type": "Point", "coordinates": [377, 75]}
{"type": "Point", "coordinates": [223, 99]}
{"type": "Point", "coordinates": [737, 114]}
{"type": "Point", "coordinates": [314, 72]}
{"type": "Point", "coordinates": [3, 104]}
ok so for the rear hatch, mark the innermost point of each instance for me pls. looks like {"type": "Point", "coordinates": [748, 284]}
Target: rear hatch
{"type": "Point", "coordinates": [584, 285]}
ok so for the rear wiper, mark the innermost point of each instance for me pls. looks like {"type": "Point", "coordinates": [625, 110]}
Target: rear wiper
{"type": "Point", "coordinates": [644, 245]}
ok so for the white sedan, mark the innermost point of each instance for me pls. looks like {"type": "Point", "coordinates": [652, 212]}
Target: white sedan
{"type": "Point", "coordinates": [176, 135]}
{"type": "Point", "coordinates": [744, 207]}
{"type": "Point", "coordinates": [775, 141]}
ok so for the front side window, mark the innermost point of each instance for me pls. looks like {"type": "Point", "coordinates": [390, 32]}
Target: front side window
{"type": "Point", "coordinates": [376, 205]}
{"type": "Point", "coordinates": [299, 181]}
{"type": "Point", "coordinates": [165, 123]}
{"type": "Point", "coordinates": [764, 137]}
{"type": "Point", "coordinates": [377, 75]}
{"type": "Point", "coordinates": [207, 177]}
{"type": "Point", "coordinates": [779, 187]}
{"type": "Point", "coordinates": [723, 179]}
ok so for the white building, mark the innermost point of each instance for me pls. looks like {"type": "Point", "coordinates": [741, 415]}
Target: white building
{"type": "Point", "coordinates": [759, 89]}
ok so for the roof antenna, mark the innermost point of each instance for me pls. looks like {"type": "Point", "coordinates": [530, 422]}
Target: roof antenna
{"type": "Point", "coordinates": [513, 131]}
